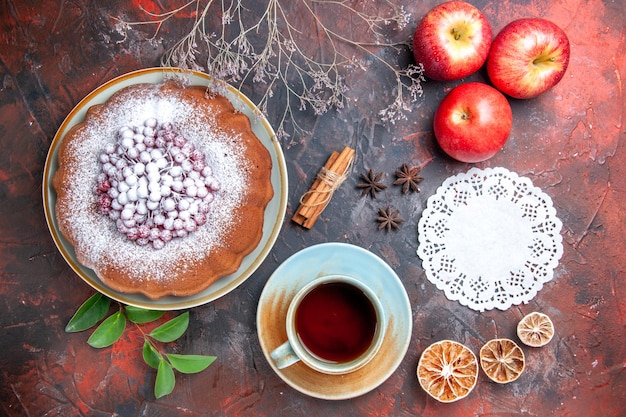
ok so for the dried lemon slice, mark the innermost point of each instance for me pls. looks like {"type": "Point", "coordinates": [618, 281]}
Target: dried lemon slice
{"type": "Point", "coordinates": [447, 370]}
{"type": "Point", "coordinates": [502, 360]}
{"type": "Point", "coordinates": [535, 329]}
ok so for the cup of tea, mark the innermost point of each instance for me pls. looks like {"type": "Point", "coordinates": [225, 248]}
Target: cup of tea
{"type": "Point", "coordinates": [335, 325]}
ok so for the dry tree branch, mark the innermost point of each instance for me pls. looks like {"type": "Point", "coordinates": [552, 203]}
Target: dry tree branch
{"type": "Point", "coordinates": [272, 49]}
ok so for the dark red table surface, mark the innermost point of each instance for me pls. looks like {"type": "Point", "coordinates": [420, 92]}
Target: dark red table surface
{"type": "Point", "coordinates": [570, 142]}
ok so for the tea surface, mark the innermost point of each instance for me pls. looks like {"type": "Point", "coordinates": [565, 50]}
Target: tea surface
{"type": "Point", "coordinates": [336, 322]}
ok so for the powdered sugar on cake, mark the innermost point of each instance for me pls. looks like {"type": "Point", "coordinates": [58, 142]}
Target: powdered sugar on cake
{"type": "Point", "coordinates": [99, 233]}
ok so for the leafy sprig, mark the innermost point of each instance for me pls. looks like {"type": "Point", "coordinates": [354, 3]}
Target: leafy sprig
{"type": "Point", "coordinates": [96, 308]}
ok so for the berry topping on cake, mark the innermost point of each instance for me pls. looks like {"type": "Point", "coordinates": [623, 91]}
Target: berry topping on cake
{"type": "Point", "coordinates": [154, 184]}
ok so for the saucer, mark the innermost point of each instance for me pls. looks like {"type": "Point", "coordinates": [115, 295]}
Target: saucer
{"type": "Point", "coordinates": [343, 259]}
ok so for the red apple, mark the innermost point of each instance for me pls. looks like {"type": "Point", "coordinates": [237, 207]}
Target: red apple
{"type": "Point", "coordinates": [473, 122]}
{"type": "Point", "coordinates": [528, 57]}
{"type": "Point", "coordinates": [452, 41]}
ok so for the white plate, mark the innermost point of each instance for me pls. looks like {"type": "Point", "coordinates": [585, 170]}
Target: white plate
{"type": "Point", "coordinates": [344, 259]}
{"type": "Point", "coordinates": [274, 212]}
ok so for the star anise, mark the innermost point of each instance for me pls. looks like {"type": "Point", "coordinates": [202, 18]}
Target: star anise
{"type": "Point", "coordinates": [371, 183]}
{"type": "Point", "coordinates": [409, 178]}
{"type": "Point", "coordinates": [388, 219]}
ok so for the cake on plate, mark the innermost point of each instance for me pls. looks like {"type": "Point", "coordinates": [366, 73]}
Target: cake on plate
{"type": "Point", "coordinates": [162, 189]}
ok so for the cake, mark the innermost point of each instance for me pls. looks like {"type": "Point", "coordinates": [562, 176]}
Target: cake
{"type": "Point", "coordinates": [162, 189]}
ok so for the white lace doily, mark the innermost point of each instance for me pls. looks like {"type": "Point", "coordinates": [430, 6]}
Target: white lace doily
{"type": "Point", "coordinates": [489, 239]}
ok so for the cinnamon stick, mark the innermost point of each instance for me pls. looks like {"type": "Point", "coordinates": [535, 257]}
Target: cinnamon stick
{"type": "Point", "coordinates": [330, 177]}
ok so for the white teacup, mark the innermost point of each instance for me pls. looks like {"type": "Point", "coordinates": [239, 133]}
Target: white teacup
{"type": "Point", "coordinates": [335, 325]}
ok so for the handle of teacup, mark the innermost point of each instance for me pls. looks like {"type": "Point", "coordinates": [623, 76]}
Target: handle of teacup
{"type": "Point", "coordinates": [284, 356]}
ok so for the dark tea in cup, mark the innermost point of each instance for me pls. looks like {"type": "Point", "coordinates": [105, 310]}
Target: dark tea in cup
{"type": "Point", "coordinates": [336, 322]}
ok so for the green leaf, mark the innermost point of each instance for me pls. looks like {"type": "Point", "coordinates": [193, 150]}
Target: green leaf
{"type": "Point", "coordinates": [151, 356]}
{"type": "Point", "coordinates": [171, 330]}
{"type": "Point", "coordinates": [141, 315]}
{"type": "Point", "coordinates": [109, 331]}
{"type": "Point", "coordinates": [165, 379]}
{"type": "Point", "coordinates": [89, 313]}
{"type": "Point", "coordinates": [190, 364]}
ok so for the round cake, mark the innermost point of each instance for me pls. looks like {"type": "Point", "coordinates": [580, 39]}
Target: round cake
{"type": "Point", "coordinates": [162, 189]}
